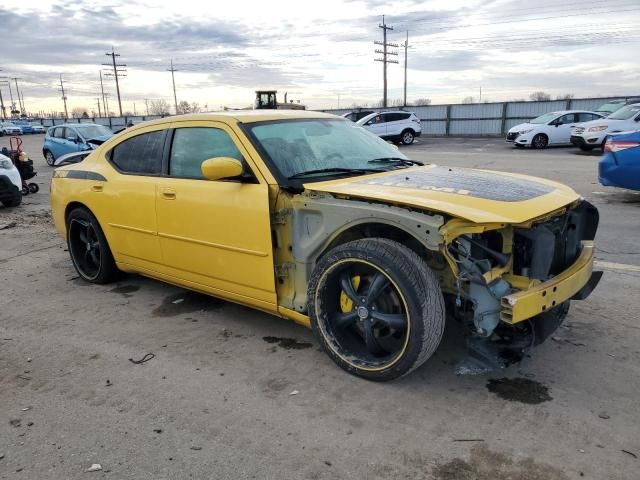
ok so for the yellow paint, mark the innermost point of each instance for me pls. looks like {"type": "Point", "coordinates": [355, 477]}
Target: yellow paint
{"type": "Point", "coordinates": [221, 167]}
{"type": "Point", "coordinates": [546, 295]}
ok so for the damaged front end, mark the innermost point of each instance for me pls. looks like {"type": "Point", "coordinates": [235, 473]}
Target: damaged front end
{"type": "Point", "coordinates": [519, 279]}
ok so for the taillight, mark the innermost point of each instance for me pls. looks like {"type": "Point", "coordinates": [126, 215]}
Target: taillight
{"type": "Point", "coordinates": [417, 120]}
{"type": "Point", "coordinates": [613, 146]}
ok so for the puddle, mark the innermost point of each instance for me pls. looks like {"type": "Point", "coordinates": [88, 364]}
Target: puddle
{"type": "Point", "coordinates": [521, 390]}
{"type": "Point", "coordinates": [186, 302]}
{"type": "Point", "coordinates": [288, 343]}
{"type": "Point", "coordinates": [125, 289]}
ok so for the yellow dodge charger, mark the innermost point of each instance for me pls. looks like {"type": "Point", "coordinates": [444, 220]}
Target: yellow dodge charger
{"type": "Point", "coordinates": [310, 217]}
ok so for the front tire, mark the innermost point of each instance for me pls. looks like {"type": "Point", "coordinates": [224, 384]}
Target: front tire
{"type": "Point", "coordinates": [586, 148]}
{"type": "Point", "coordinates": [407, 137]}
{"type": "Point", "coordinates": [540, 141]}
{"type": "Point", "coordinates": [376, 308]}
{"type": "Point", "coordinates": [88, 247]}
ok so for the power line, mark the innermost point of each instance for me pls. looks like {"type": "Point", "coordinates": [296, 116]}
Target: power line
{"type": "Point", "coordinates": [385, 57]}
{"type": "Point", "coordinates": [406, 46]}
{"type": "Point", "coordinates": [117, 72]}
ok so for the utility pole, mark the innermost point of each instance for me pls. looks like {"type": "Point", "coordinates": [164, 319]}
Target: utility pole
{"type": "Point", "coordinates": [480, 101]}
{"type": "Point", "coordinates": [406, 46]}
{"type": "Point", "coordinates": [104, 103]}
{"type": "Point", "coordinates": [106, 99]}
{"type": "Point", "coordinates": [24, 108]}
{"type": "Point", "coordinates": [146, 105]}
{"type": "Point", "coordinates": [175, 98]}
{"type": "Point", "coordinates": [64, 98]}
{"type": "Point", "coordinates": [4, 112]}
{"type": "Point", "coordinates": [117, 72]}
{"type": "Point", "coordinates": [15, 79]}
{"type": "Point", "coordinates": [385, 57]}
{"type": "Point", "coordinates": [12, 108]}
{"type": "Point", "coordinates": [99, 111]}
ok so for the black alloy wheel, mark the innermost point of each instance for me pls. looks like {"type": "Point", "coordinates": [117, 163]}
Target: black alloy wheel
{"type": "Point", "coordinates": [540, 141]}
{"type": "Point", "coordinates": [88, 248]}
{"type": "Point", "coordinates": [376, 308]}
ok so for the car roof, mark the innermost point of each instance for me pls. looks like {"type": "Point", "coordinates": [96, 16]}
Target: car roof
{"type": "Point", "coordinates": [241, 116]}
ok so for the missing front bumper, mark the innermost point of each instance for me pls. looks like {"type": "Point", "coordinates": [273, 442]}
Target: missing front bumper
{"type": "Point", "coordinates": [577, 282]}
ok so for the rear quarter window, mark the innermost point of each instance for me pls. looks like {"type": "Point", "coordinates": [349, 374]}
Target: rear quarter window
{"type": "Point", "coordinates": [141, 155]}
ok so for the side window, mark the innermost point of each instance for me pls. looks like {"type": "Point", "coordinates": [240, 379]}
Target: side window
{"type": "Point", "coordinates": [587, 117]}
{"type": "Point", "coordinates": [566, 119]}
{"type": "Point", "coordinates": [141, 154]}
{"type": "Point", "coordinates": [59, 132]}
{"type": "Point", "coordinates": [192, 146]}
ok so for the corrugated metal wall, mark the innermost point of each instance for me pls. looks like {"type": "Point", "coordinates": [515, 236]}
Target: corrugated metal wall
{"type": "Point", "coordinates": [481, 119]}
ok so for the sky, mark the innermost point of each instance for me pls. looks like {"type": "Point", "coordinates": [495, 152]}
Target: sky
{"type": "Point", "coordinates": [321, 53]}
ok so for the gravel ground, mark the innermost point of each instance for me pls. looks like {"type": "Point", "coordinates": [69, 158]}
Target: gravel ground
{"type": "Point", "coordinates": [215, 401]}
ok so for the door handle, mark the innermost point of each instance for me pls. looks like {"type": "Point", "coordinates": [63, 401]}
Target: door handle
{"type": "Point", "coordinates": [168, 194]}
{"type": "Point", "coordinates": [96, 188]}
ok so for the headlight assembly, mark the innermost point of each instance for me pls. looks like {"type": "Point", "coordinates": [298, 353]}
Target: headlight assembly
{"type": "Point", "coordinates": [599, 128]}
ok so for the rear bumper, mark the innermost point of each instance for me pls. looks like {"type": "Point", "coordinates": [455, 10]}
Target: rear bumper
{"type": "Point", "coordinates": [577, 282]}
{"type": "Point", "coordinates": [612, 174]}
{"type": "Point", "coordinates": [8, 190]}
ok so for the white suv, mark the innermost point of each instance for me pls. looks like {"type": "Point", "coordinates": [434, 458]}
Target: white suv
{"type": "Point", "coordinates": [10, 183]}
{"type": "Point", "coordinates": [396, 126]}
{"type": "Point", "coordinates": [592, 135]}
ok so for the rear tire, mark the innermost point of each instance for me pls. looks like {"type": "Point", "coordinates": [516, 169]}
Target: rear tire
{"type": "Point", "coordinates": [49, 158]}
{"type": "Point", "coordinates": [392, 319]}
{"type": "Point", "coordinates": [88, 247]}
{"type": "Point", "coordinates": [540, 141]}
{"type": "Point", "coordinates": [407, 137]}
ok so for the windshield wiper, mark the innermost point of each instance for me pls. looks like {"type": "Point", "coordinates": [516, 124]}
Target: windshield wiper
{"type": "Point", "coordinates": [401, 161]}
{"type": "Point", "coordinates": [337, 170]}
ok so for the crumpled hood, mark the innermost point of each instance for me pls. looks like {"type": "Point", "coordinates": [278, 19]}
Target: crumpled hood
{"type": "Point", "coordinates": [481, 196]}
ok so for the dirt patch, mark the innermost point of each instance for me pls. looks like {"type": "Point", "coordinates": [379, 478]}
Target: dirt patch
{"type": "Point", "coordinates": [521, 390]}
{"type": "Point", "coordinates": [186, 302]}
{"type": "Point", "coordinates": [486, 464]}
{"type": "Point", "coordinates": [288, 343]}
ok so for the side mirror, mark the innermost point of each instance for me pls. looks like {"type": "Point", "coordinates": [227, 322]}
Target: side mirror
{"type": "Point", "coordinates": [221, 167]}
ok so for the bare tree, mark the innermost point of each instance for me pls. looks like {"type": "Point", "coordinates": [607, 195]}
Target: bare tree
{"type": "Point", "coordinates": [540, 96]}
{"type": "Point", "coordinates": [79, 112]}
{"type": "Point", "coordinates": [468, 100]}
{"type": "Point", "coordinates": [421, 101]}
{"type": "Point", "coordinates": [186, 107]}
{"type": "Point", "coordinates": [566, 96]}
{"type": "Point", "coordinates": [159, 107]}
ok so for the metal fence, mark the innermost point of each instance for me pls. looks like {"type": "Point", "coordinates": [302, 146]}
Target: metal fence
{"type": "Point", "coordinates": [485, 119]}
{"type": "Point", "coordinates": [476, 119]}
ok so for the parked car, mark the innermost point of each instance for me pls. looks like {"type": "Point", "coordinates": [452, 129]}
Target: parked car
{"type": "Point", "coordinates": [357, 114]}
{"type": "Point", "coordinates": [608, 108]}
{"type": "Point", "coordinates": [69, 138]}
{"type": "Point", "coordinates": [9, 128]}
{"type": "Point", "coordinates": [593, 134]}
{"type": "Point", "coordinates": [299, 214]}
{"type": "Point", "coordinates": [37, 128]}
{"type": "Point", "coordinates": [26, 127]}
{"type": "Point", "coordinates": [395, 126]}
{"type": "Point", "coordinates": [552, 128]}
{"type": "Point", "coordinates": [10, 183]}
{"type": "Point", "coordinates": [620, 165]}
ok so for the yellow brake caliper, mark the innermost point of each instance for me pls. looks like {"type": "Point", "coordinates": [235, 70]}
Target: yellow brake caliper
{"type": "Point", "coordinates": [346, 304]}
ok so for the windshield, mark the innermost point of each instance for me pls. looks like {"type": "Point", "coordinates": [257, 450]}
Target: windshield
{"type": "Point", "coordinates": [310, 145]}
{"type": "Point", "coordinates": [546, 118]}
{"type": "Point", "coordinates": [609, 107]}
{"type": "Point", "coordinates": [92, 131]}
{"type": "Point", "coordinates": [625, 113]}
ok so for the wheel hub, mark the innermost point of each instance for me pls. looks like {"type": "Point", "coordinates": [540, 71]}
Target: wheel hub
{"type": "Point", "coordinates": [363, 312]}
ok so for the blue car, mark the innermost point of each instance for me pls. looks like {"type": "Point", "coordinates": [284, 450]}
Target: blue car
{"type": "Point", "coordinates": [69, 138]}
{"type": "Point", "coordinates": [620, 166]}
{"type": "Point", "coordinates": [26, 127]}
